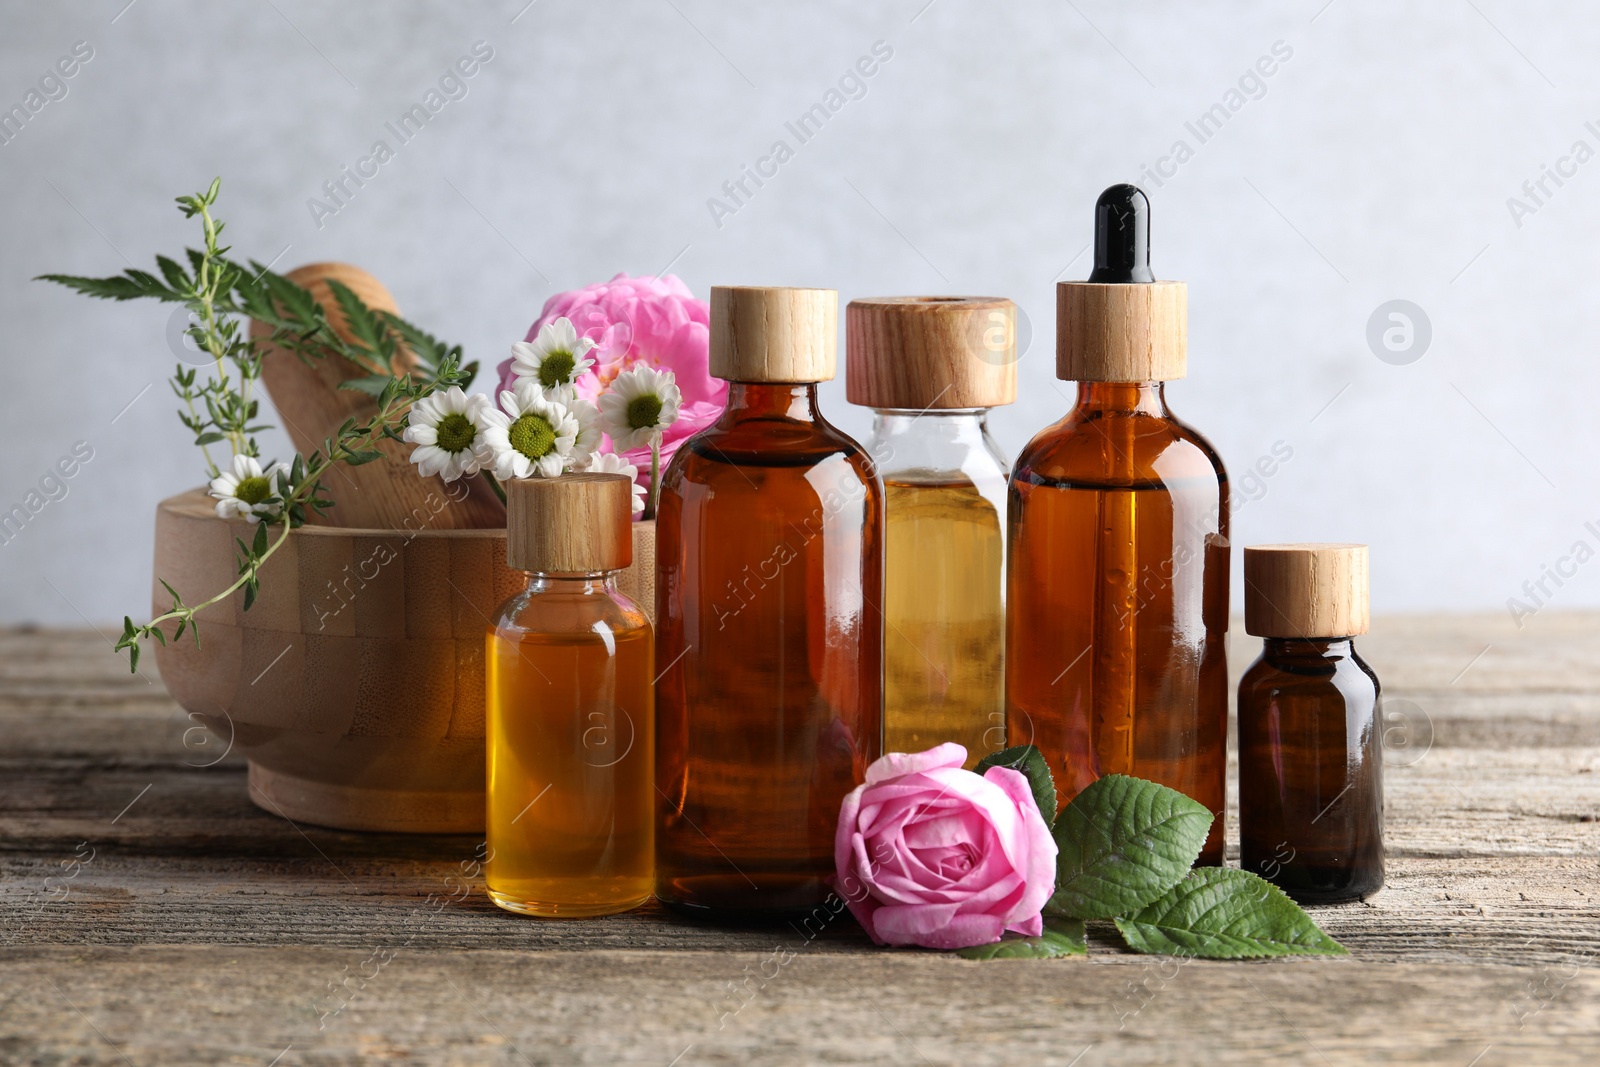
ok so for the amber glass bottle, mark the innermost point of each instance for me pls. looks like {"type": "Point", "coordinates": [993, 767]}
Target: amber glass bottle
{"type": "Point", "coordinates": [1310, 748]}
{"type": "Point", "coordinates": [769, 545]}
{"type": "Point", "coordinates": [1118, 546]}
{"type": "Point", "coordinates": [571, 804]}
{"type": "Point", "coordinates": [931, 368]}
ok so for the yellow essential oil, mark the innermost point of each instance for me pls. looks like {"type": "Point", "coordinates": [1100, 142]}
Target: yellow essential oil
{"type": "Point", "coordinates": [570, 710]}
{"type": "Point", "coordinates": [944, 677]}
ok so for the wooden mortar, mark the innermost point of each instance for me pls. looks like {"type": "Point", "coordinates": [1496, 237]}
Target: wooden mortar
{"type": "Point", "coordinates": [355, 684]}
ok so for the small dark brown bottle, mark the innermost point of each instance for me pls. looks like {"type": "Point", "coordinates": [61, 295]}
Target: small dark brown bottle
{"type": "Point", "coordinates": [1310, 746]}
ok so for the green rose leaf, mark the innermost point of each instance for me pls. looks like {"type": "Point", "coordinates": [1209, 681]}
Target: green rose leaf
{"type": "Point", "coordinates": [1220, 913]}
{"type": "Point", "coordinates": [1123, 842]}
{"type": "Point", "coordinates": [1030, 761]}
{"type": "Point", "coordinates": [1061, 937]}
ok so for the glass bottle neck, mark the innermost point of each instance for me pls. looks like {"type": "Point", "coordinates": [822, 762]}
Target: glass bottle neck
{"type": "Point", "coordinates": [929, 443]}
{"type": "Point", "coordinates": [758, 400]}
{"type": "Point", "coordinates": [1309, 648]}
{"type": "Point", "coordinates": [1145, 398]}
{"type": "Point", "coordinates": [595, 584]}
{"type": "Point", "coordinates": [966, 425]}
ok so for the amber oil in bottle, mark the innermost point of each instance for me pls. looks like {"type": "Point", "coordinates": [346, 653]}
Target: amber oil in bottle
{"type": "Point", "coordinates": [769, 547]}
{"type": "Point", "coordinates": [1310, 745]}
{"type": "Point", "coordinates": [571, 799]}
{"type": "Point", "coordinates": [1118, 545]}
{"type": "Point", "coordinates": [931, 368]}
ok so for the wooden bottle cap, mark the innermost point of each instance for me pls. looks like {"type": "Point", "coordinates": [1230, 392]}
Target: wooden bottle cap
{"type": "Point", "coordinates": [774, 334]}
{"type": "Point", "coordinates": [1122, 332]}
{"type": "Point", "coordinates": [1311, 590]}
{"type": "Point", "coordinates": [574, 524]}
{"type": "Point", "coordinates": [939, 352]}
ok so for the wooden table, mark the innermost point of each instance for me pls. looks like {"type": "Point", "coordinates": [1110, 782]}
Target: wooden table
{"type": "Point", "coordinates": [152, 915]}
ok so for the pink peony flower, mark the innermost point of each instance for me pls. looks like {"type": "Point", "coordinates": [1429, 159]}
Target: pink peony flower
{"type": "Point", "coordinates": [645, 320]}
{"type": "Point", "coordinates": [929, 854]}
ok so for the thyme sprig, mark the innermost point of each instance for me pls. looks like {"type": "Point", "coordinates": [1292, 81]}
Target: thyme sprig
{"type": "Point", "coordinates": [402, 364]}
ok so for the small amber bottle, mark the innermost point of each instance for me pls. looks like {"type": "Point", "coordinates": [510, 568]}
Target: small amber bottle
{"type": "Point", "coordinates": [1117, 588]}
{"type": "Point", "coordinates": [931, 367]}
{"type": "Point", "coordinates": [571, 800]}
{"type": "Point", "coordinates": [1310, 748]}
{"type": "Point", "coordinates": [769, 590]}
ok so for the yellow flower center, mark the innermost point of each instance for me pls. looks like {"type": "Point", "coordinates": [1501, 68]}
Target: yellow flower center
{"type": "Point", "coordinates": [253, 490]}
{"type": "Point", "coordinates": [455, 432]}
{"type": "Point", "coordinates": [556, 368]}
{"type": "Point", "coordinates": [533, 436]}
{"type": "Point", "coordinates": [643, 411]}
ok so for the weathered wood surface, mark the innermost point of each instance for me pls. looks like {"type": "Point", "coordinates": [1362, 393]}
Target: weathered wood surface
{"type": "Point", "coordinates": [195, 928]}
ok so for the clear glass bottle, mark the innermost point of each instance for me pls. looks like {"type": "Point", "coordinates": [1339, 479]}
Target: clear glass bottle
{"type": "Point", "coordinates": [769, 547]}
{"type": "Point", "coordinates": [931, 368]}
{"type": "Point", "coordinates": [1117, 532]}
{"type": "Point", "coordinates": [570, 710]}
{"type": "Point", "coordinates": [1310, 746]}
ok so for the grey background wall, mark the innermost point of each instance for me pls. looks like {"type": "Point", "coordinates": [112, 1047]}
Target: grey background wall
{"type": "Point", "coordinates": [1376, 162]}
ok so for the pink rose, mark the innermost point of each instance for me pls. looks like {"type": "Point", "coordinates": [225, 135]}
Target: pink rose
{"type": "Point", "coordinates": [655, 321]}
{"type": "Point", "coordinates": [930, 854]}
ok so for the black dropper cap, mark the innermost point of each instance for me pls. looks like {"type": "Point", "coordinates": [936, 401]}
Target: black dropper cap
{"type": "Point", "coordinates": [1122, 236]}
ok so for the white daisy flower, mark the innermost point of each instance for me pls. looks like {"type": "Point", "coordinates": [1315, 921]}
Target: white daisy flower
{"type": "Point", "coordinates": [565, 395]}
{"type": "Point", "coordinates": [247, 492]}
{"type": "Point", "coordinates": [531, 434]}
{"type": "Point", "coordinates": [587, 442]}
{"type": "Point", "coordinates": [552, 359]}
{"type": "Point", "coordinates": [610, 463]}
{"type": "Point", "coordinates": [449, 428]}
{"type": "Point", "coordinates": [640, 404]}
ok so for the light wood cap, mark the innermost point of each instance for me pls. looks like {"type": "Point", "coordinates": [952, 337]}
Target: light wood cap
{"type": "Point", "coordinates": [774, 334]}
{"type": "Point", "coordinates": [1310, 590]}
{"type": "Point", "coordinates": [922, 352]}
{"type": "Point", "coordinates": [1134, 332]}
{"type": "Point", "coordinates": [574, 524]}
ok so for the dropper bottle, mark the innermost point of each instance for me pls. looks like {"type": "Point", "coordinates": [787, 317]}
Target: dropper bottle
{"type": "Point", "coordinates": [1117, 534]}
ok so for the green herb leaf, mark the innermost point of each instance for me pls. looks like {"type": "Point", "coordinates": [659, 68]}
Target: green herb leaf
{"type": "Point", "coordinates": [1221, 913]}
{"type": "Point", "coordinates": [133, 285]}
{"type": "Point", "coordinates": [1123, 842]}
{"type": "Point", "coordinates": [1030, 761]}
{"type": "Point", "coordinates": [362, 323]}
{"type": "Point", "coordinates": [1061, 937]}
{"type": "Point", "coordinates": [372, 385]}
{"type": "Point", "coordinates": [356, 459]}
{"type": "Point", "coordinates": [175, 276]}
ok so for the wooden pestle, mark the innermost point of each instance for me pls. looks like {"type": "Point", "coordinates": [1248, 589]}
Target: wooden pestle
{"type": "Point", "coordinates": [386, 494]}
